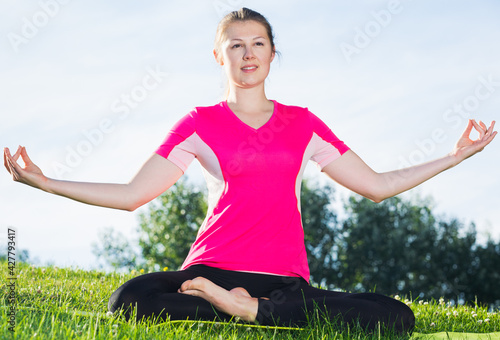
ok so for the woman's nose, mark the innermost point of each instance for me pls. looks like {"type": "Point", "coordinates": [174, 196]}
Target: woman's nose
{"type": "Point", "coordinates": [248, 54]}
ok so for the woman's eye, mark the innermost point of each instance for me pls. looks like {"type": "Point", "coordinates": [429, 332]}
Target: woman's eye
{"type": "Point", "coordinates": [237, 45]}
{"type": "Point", "coordinates": [260, 44]}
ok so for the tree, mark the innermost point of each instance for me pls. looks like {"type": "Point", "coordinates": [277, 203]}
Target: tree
{"type": "Point", "coordinates": [166, 231]}
{"type": "Point", "coordinates": [399, 246]}
{"type": "Point", "coordinates": [385, 246]}
{"type": "Point", "coordinates": [452, 260]}
{"type": "Point", "coordinates": [22, 255]}
{"type": "Point", "coordinates": [170, 226]}
{"type": "Point", "coordinates": [115, 250]}
{"type": "Point", "coordinates": [485, 274]}
{"type": "Point", "coordinates": [320, 225]}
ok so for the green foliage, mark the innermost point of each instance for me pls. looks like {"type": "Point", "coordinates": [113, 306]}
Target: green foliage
{"type": "Point", "coordinates": [170, 226]}
{"type": "Point", "coordinates": [115, 250]}
{"type": "Point", "coordinates": [437, 315]}
{"type": "Point", "coordinates": [320, 229]}
{"type": "Point", "coordinates": [21, 255]}
{"type": "Point", "coordinates": [401, 247]}
{"type": "Point", "coordinates": [388, 245]}
{"type": "Point", "coordinates": [484, 273]}
{"type": "Point", "coordinates": [165, 234]}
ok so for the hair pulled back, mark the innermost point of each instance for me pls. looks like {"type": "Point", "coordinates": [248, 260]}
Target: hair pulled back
{"type": "Point", "coordinates": [241, 15]}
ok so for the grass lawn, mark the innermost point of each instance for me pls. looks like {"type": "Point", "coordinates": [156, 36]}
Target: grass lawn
{"type": "Point", "coordinates": [65, 303]}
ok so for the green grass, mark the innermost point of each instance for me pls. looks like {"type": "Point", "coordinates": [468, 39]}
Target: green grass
{"type": "Point", "coordinates": [64, 303]}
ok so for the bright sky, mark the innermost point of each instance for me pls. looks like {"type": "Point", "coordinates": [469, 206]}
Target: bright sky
{"type": "Point", "coordinates": [91, 89]}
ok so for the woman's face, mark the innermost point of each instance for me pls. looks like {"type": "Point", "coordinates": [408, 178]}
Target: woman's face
{"type": "Point", "coordinates": [246, 54]}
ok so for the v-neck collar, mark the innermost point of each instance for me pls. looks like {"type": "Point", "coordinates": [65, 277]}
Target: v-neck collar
{"type": "Point", "coordinates": [226, 106]}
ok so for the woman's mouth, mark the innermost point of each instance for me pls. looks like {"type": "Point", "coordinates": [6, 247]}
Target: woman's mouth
{"type": "Point", "coordinates": [249, 68]}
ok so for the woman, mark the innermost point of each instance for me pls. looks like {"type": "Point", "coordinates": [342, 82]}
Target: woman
{"type": "Point", "coordinates": [249, 259]}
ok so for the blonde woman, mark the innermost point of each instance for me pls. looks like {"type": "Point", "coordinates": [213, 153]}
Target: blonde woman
{"type": "Point", "coordinates": [249, 260]}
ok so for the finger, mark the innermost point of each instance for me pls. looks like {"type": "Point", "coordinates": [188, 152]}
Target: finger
{"type": "Point", "coordinates": [491, 128]}
{"type": "Point", "coordinates": [11, 162]}
{"type": "Point", "coordinates": [490, 138]}
{"type": "Point", "coordinates": [486, 140]}
{"type": "Point", "coordinates": [25, 156]}
{"type": "Point", "coordinates": [468, 129]}
{"type": "Point", "coordinates": [489, 131]}
{"type": "Point", "coordinates": [478, 125]}
{"type": "Point", "coordinates": [484, 127]}
{"type": "Point", "coordinates": [5, 163]}
{"type": "Point", "coordinates": [6, 155]}
{"type": "Point", "coordinates": [17, 154]}
{"type": "Point", "coordinates": [13, 169]}
{"type": "Point", "coordinates": [479, 129]}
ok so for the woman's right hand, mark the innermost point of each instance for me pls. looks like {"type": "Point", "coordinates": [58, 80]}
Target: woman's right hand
{"type": "Point", "coordinates": [156, 175]}
{"type": "Point", "coordinates": [30, 174]}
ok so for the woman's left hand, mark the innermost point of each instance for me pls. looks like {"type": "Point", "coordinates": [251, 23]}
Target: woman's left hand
{"type": "Point", "coordinates": [467, 147]}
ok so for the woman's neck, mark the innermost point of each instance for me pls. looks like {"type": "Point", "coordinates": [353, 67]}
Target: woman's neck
{"type": "Point", "coordinates": [248, 101]}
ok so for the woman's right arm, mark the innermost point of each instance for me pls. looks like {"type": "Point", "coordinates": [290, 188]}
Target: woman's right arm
{"type": "Point", "coordinates": [156, 175]}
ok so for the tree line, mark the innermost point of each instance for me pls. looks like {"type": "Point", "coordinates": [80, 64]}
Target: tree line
{"type": "Point", "coordinates": [399, 246]}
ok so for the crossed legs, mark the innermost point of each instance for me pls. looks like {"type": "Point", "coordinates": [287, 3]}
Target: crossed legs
{"type": "Point", "coordinates": [206, 293]}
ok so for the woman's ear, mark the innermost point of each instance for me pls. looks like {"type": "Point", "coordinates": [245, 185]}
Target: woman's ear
{"type": "Point", "coordinates": [273, 54]}
{"type": "Point", "coordinates": [218, 59]}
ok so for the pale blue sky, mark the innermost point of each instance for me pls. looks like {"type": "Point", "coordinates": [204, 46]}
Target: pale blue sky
{"type": "Point", "coordinates": [396, 80]}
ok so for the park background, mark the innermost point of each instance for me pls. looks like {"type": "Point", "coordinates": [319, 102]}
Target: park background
{"type": "Point", "coordinates": [92, 88]}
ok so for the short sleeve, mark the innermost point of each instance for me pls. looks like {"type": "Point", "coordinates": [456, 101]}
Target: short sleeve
{"type": "Point", "coordinates": [327, 147]}
{"type": "Point", "coordinates": [179, 145]}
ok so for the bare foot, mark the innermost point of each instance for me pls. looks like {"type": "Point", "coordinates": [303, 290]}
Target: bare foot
{"type": "Point", "coordinates": [236, 302]}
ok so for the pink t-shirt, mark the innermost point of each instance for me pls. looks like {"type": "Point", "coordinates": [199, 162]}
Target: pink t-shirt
{"type": "Point", "coordinates": [253, 222]}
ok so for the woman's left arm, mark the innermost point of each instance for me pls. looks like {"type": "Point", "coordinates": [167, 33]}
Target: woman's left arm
{"type": "Point", "coordinates": [350, 171]}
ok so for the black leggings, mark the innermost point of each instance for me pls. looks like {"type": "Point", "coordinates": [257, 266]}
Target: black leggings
{"type": "Point", "coordinates": [292, 301]}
